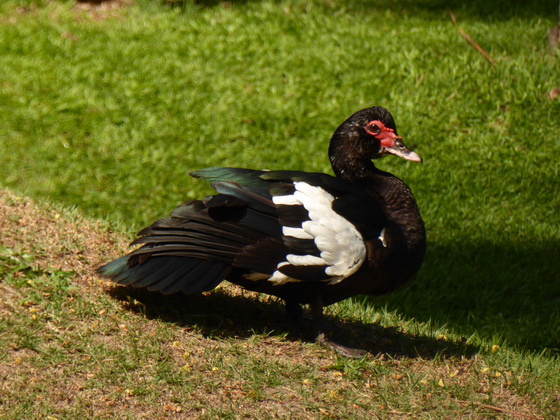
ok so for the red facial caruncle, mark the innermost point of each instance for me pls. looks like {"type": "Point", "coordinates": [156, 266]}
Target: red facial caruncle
{"type": "Point", "coordinates": [384, 134]}
{"type": "Point", "coordinates": [390, 143]}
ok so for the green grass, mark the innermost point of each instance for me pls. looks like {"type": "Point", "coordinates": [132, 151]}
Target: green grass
{"type": "Point", "coordinates": [107, 112]}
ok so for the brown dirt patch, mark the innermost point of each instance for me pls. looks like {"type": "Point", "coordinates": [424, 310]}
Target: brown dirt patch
{"type": "Point", "coordinates": [57, 242]}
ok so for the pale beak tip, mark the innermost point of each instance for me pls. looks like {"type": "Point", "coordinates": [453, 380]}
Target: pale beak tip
{"type": "Point", "coordinates": [414, 157]}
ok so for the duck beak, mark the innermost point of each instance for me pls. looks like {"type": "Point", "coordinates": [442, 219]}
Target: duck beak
{"type": "Point", "coordinates": [397, 147]}
{"type": "Point", "coordinates": [403, 152]}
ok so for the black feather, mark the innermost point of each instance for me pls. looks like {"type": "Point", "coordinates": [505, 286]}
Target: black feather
{"type": "Point", "coordinates": [301, 246]}
{"type": "Point", "coordinates": [193, 228]}
{"type": "Point", "coordinates": [223, 201]}
{"type": "Point", "coordinates": [210, 277]}
{"type": "Point", "coordinates": [153, 270]}
{"type": "Point", "coordinates": [292, 215]}
{"type": "Point", "coordinates": [262, 257]}
{"type": "Point", "coordinates": [252, 199]}
{"type": "Point", "coordinates": [181, 277]}
{"type": "Point", "coordinates": [305, 272]}
{"type": "Point", "coordinates": [282, 188]}
{"type": "Point", "coordinates": [185, 250]}
{"type": "Point", "coordinates": [133, 274]}
{"type": "Point", "coordinates": [262, 222]}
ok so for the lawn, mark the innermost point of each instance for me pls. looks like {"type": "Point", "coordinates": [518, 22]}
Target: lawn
{"type": "Point", "coordinates": [105, 109]}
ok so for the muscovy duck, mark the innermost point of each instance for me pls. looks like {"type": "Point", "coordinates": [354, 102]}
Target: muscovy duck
{"type": "Point", "coordinates": [308, 238]}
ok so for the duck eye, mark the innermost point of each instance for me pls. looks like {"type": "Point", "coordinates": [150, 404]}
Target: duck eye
{"type": "Point", "coordinates": [373, 129]}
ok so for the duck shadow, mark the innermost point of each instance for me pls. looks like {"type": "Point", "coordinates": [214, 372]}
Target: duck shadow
{"type": "Point", "coordinates": [506, 293]}
{"type": "Point", "coordinates": [221, 315]}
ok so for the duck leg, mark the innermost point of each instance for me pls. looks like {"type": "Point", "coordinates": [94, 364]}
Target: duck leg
{"type": "Point", "coordinates": [321, 338]}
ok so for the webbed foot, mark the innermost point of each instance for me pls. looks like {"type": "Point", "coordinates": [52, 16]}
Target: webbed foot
{"type": "Point", "coordinates": [341, 349]}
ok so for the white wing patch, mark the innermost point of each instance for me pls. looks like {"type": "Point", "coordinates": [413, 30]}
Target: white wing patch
{"type": "Point", "coordinates": [288, 200]}
{"type": "Point", "coordinates": [296, 233]}
{"type": "Point", "coordinates": [341, 245]}
{"type": "Point", "coordinates": [382, 238]}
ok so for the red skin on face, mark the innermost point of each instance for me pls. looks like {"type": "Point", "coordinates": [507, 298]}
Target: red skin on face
{"type": "Point", "coordinates": [384, 134]}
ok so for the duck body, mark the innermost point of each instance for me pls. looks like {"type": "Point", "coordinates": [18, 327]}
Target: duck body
{"type": "Point", "coordinates": [308, 238]}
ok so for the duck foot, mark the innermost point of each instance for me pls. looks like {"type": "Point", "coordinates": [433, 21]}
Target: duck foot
{"type": "Point", "coordinates": [341, 349]}
{"type": "Point", "coordinates": [297, 315]}
{"type": "Point", "coordinates": [321, 337]}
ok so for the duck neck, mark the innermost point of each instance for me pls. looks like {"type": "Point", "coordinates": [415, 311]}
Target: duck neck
{"type": "Point", "coordinates": [347, 158]}
{"type": "Point", "coordinates": [390, 193]}
{"type": "Point", "coordinates": [352, 170]}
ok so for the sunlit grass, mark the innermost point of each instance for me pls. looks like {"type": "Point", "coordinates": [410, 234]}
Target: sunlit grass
{"type": "Point", "coordinates": [107, 111]}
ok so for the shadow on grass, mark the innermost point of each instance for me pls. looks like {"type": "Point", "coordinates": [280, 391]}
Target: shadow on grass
{"type": "Point", "coordinates": [484, 10]}
{"type": "Point", "coordinates": [221, 315]}
{"type": "Point", "coordinates": [508, 292]}
{"type": "Point", "coordinates": [501, 293]}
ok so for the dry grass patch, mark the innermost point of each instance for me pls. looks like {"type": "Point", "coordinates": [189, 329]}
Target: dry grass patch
{"type": "Point", "coordinates": [77, 347]}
